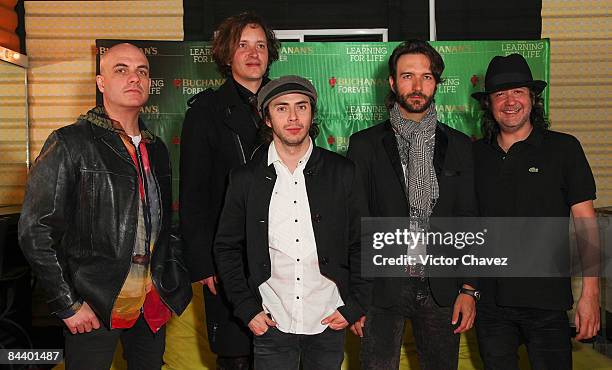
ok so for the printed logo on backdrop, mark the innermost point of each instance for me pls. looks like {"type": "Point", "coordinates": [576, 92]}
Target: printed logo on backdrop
{"type": "Point", "coordinates": [201, 54]}
{"type": "Point", "coordinates": [367, 53]}
{"type": "Point", "coordinates": [191, 87]}
{"type": "Point", "coordinates": [453, 49]}
{"type": "Point", "coordinates": [285, 51]}
{"type": "Point", "coordinates": [148, 50]}
{"type": "Point", "coordinates": [356, 85]}
{"type": "Point", "coordinates": [449, 85]}
{"type": "Point", "coordinates": [528, 49]}
{"type": "Point", "coordinates": [339, 143]}
{"type": "Point", "coordinates": [157, 86]}
{"type": "Point", "coordinates": [151, 109]}
{"type": "Point", "coordinates": [365, 112]}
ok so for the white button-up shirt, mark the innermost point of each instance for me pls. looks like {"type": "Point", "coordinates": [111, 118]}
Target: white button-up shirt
{"type": "Point", "coordinates": [296, 295]}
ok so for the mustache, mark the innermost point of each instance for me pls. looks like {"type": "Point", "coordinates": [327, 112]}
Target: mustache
{"type": "Point", "coordinates": [416, 95]}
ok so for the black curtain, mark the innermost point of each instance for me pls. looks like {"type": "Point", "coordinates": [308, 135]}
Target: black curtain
{"type": "Point", "coordinates": [20, 31]}
{"type": "Point", "coordinates": [488, 20]}
{"type": "Point", "coordinates": [404, 19]}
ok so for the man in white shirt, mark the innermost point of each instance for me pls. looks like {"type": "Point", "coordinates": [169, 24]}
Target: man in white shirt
{"type": "Point", "coordinates": [294, 211]}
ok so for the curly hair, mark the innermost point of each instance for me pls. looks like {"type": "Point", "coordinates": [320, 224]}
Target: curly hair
{"type": "Point", "coordinates": [265, 136]}
{"type": "Point", "coordinates": [436, 63]}
{"type": "Point", "coordinates": [490, 127]}
{"type": "Point", "coordinates": [227, 36]}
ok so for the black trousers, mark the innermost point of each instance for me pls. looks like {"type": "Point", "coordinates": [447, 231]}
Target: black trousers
{"type": "Point", "coordinates": [95, 350]}
{"type": "Point", "coordinates": [545, 333]}
{"type": "Point", "coordinates": [437, 347]}
{"type": "Point", "coordinates": [275, 350]}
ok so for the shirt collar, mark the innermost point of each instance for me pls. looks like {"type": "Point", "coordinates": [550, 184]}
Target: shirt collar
{"type": "Point", "coordinates": [273, 154]}
{"type": "Point", "coordinates": [534, 139]}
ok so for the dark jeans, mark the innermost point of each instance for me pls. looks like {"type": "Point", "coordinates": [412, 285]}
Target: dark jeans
{"type": "Point", "coordinates": [545, 333]}
{"type": "Point", "coordinates": [275, 350]}
{"type": "Point", "coordinates": [95, 350]}
{"type": "Point", "coordinates": [437, 347]}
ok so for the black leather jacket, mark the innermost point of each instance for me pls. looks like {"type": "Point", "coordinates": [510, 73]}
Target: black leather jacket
{"type": "Point", "coordinates": [79, 218]}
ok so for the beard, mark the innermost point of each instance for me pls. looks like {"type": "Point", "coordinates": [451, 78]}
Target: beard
{"type": "Point", "coordinates": [404, 102]}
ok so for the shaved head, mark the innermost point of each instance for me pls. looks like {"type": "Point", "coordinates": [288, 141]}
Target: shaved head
{"type": "Point", "coordinates": [118, 49]}
{"type": "Point", "coordinates": [124, 78]}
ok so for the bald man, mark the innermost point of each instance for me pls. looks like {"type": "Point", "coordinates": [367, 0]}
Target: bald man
{"type": "Point", "coordinates": [95, 225]}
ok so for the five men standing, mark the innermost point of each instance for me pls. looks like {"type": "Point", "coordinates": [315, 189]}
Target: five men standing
{"type": "Point", "coordinates": [285, 225]}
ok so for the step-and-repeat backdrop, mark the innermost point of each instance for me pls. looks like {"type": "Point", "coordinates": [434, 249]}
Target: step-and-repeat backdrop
{"type": "Point", "coordinates": [351, 80]}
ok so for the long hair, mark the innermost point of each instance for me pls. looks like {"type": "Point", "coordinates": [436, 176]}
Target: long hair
{"type": "Point", "coordinates": [227, 36]}
{"type": "Point", "coordinates": [489, 126]}
{"type": "Point", "coordinates": [264, 135]}
{"type": "Point", "coordinates": [436, 64]}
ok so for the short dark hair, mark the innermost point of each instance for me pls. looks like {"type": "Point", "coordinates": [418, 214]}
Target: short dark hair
{"type": "Point", "coordinates": [436, 63]}
{"type": "Point", "coordinates": [265, 132]}
{"type": "Point", "coordinates": [489, 126]}
{"type": "Point", "coordinates": [228, 34]}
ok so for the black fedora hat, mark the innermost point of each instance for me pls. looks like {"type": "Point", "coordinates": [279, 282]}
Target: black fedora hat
{"type": "Point", "coordinates": [509, 72]}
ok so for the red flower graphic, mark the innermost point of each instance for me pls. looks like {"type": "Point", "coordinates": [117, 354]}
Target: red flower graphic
{"type": "Point", "coordinates": [331, 140]}
{"type": "Point", "coordinates": [332, 82]}
{"type": "Point", "coordinates": [474, 80]}
{"type": "Point", "coordinates": [177, 82]}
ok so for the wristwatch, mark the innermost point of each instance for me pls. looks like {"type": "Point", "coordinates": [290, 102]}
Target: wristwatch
{"type": "Point", "coordinates": [474, 293]}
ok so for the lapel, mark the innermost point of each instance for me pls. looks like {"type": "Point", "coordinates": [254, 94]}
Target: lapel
{"type": "Point", "coordinates": [113, 141]}
{"type": "Point", "coordinates": [263, 183]}
{"type": "Point", "coordinates": [390, 145]}
{"type": "Point", "coordinates": [440, 148]}
{"type": "Point", "coordinates": [235, 113]}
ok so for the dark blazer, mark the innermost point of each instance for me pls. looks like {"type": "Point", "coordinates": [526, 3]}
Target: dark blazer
{"type": "Point", "coordinates": [335, 211]}
{"type": "Point", "coordinates": [218, 135]}
{"type": "Point", "coordinates": [379, 168]}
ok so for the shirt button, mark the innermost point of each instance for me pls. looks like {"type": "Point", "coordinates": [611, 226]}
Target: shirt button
{"type": "Point", "coordinates": [295, 201]}
{"type": "Point", "coordinates": [297, 240]}
{"type": "Point", "coordinates": [297, 297]}
{"type": "Point", "coordinates": [298, 260]}
{"type": "Point", "coordinates": [295, 220]}
{"type": "Point", "coordinates": [298, 279]}
{"type": "Point", "coordinates": [296, 182]}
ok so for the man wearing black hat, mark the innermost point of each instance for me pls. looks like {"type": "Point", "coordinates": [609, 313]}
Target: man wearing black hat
{"type": "Point", "coordinates": [219, 133]}
{"type": "Point", "coordinates": [522, 169]}
{"type": "Point", "coordinates": [294, 213]}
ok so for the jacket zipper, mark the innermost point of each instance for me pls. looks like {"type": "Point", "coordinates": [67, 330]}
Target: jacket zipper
{"type": "Point", "coordinates": [241, 149]}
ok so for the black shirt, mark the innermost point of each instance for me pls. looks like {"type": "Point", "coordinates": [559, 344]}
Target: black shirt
{"type": "Point", "coordinates": [542, 176]}
{"type": "Point", "coordinates": [249, 98]}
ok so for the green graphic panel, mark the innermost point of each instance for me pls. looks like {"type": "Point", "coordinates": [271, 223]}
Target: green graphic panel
{"type": "Point", "coordinates": [351, 79]}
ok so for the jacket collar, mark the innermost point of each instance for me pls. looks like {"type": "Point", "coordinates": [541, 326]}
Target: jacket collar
{"type": "Point", "coordinates": [260, 159]}
{"type": "Point", "coordinates": [100, 119]}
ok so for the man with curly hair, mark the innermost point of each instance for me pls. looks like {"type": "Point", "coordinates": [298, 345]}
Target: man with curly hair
{"type": "Point", "coordinates": [219, 134]}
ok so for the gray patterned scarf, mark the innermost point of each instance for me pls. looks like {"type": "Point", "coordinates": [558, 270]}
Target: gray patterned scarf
{"type": "Point", "coordinates": [415, 141]}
